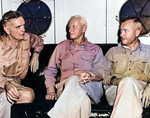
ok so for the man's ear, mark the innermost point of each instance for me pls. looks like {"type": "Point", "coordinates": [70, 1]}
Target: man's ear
{"type": "Point", "coordinates": [6, 29]}
{"type": "Point", "coordinates": [84, 28]}
{"type": "Point", "coordinates": [138, 32]}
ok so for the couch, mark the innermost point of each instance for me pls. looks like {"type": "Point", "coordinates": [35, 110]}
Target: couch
{"type": "Point", "coordinates": [40, 106]}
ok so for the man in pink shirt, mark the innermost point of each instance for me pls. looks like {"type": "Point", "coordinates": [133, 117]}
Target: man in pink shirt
{"type": "Point", "coordinates": [82, 68]}
{"type": "Point", "coordinates": [15, 54]}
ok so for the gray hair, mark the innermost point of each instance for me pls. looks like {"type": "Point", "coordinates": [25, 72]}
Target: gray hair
{"type": "Point", "coordinates": [10, 15]}
{"type": "Point", "coordinates": [83, 20]}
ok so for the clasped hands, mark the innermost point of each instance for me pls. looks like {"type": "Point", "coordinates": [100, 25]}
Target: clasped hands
{"type": "Point", "coordinates": [115, 81]}
{"type": "Point", "coordinates": [84, 77]}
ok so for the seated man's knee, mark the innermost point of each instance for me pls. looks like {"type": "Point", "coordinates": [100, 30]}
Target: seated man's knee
{"type": "Point", "coordinates": [30, 95]}
{"type": "Point", "coordinates": [27, 96]}
{"type": "Point", "coordinates": [127, 80]}
{"type": "Point", "coordinates": [73, 78]}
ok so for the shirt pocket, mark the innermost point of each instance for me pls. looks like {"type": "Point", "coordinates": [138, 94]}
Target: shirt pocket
{"type": "Point", "coordinates": [87, 61]}
{"type": "Point", "coordinates": [65, 62]}
{"type": "Point", "coordinates": [88, 57]}
{"type": "Point", "coordinates": [142, 70]}
{"type": "Point", "coordinates": [26, 53]}
{"type": "Point", "coordinates": [141, 66]}
{"type": "Point", "coordinates": [119, 63]}
{"type": "Point", "coordinates": [11, 69]}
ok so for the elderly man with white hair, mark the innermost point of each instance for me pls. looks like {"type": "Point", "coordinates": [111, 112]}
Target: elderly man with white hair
{"type": "Point", "coordinates": [82, 68]}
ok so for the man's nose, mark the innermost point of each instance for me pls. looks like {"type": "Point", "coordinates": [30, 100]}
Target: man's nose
{"type": "Point", "coordinates": [121, 33]}
{"type": "Point", "coordinates": [23, 28]}
{"type": "Point", "coordinates": [70, 29]}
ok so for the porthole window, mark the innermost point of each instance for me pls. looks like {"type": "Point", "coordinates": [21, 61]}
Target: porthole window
{"type": "Point", "coordinates": [37, 16]}
{"type": "Point", "coordinates": [137, 8]}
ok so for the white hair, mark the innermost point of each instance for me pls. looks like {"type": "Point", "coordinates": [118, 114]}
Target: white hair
{"type": "Point", "coordinates": [83, 20]}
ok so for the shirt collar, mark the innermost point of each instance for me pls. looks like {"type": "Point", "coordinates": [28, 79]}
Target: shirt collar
{"type": "Point", "coordinates": [6, 42]}
{"type": "Point", "coordinates": [85, 45]}
{"type": "Point", "coordinates": [140, 46]}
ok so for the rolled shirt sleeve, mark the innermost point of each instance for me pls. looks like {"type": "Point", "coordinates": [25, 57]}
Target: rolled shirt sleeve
{"type": "Point", "coordinates": [36, 42]}
{"type": "Point", "coordinates": [52, 69]}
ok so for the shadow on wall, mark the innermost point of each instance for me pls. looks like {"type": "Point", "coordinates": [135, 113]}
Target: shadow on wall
{"type": "Point", "coordinates": [118, 34]}
{"type": "Point", "coordinates": [67, 32]}
{"type": "Point", "coordinates": [1, 29]}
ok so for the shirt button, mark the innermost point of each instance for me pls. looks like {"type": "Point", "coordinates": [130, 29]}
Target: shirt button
{"type": "Point", "coordinates": [130, 53]}
{"type": "Point", "coordinates": [130, 61]}
{"type": "Point", "coordinates": [129, 68]}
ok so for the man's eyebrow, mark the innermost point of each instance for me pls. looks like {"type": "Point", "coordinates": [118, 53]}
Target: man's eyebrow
{"type": "Point", "coordinates": [123, 30]}
{"type": "Point", "coordinates": [18, 26]}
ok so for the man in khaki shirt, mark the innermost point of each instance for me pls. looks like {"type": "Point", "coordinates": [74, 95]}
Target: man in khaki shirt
{"type": "Point", "coordinates": [15, 54]}
{"type": "Point", "coordinates": [128, 82]}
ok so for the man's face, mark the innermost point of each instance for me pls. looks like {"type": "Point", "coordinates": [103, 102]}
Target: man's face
{"type": "Point", "coordinates": [128, 32]}
{"type": "Point", "coordinates": [15, 28]}
{"type": "Point", "coordinates": [76, 28]}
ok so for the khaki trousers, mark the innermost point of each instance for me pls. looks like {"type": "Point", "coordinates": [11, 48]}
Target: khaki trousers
{"type": "Point", "coordinates": [73, 102]}
{"type": "Point", "coordinates": [128, 100]}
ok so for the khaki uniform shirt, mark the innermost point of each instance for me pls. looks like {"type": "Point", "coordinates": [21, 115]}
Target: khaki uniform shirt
{"type": "Point", "coordinates": [129, 63]}
{"type": "Point", "coordinates": [14, 61]}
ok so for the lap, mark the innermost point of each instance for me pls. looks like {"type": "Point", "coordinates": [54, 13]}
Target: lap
{"type": "Point", "coordinates": [111, 90]}
{"type": "Point", "coordinates": [93, 89]}
{"type": "Point", "coordinates": [137, 83]}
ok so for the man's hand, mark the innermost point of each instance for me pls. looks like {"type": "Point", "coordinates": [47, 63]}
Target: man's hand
{"type": "Point", "coordinates": [84, 77]}
{"type": "Point", "coordinates": [51, 96]}
{"type": "Point", "coordinates": [115, 81]}
{"type": "Point", "coordinates": [79, 72]}
{"type": "Point", "coordinates": [34, 62]}
{"type": "Point", "coordinates": [146, 96]}
{"type": "Point", "coordinates": [11, 92]}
